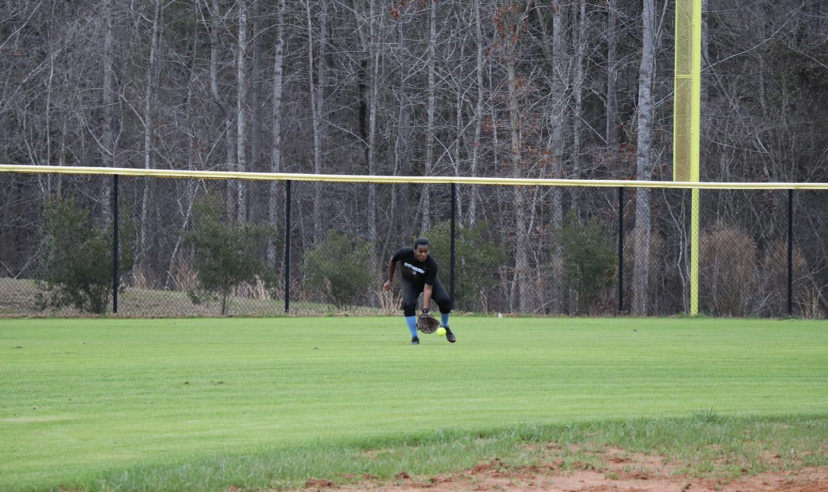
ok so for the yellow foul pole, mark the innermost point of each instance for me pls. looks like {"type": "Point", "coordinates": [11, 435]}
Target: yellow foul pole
{"type": "Point", "coordinates": [687, 121]}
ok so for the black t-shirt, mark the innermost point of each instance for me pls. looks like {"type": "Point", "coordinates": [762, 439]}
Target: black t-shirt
{"type": "Point", "coordinates": [413, 270]}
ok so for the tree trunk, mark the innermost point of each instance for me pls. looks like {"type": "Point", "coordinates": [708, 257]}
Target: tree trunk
{"type": "Point", "coordinates": [317, 105]}
{"type": "Point", "coordinates": [459, 96]}
{"type": "Point", "coordinates": [522, 270]}
{"type": "Point", "coordinates": [374, 52]}
{"type": "Point", "coordinates": [430, 130]}
{"type": "Point", "coordinates": [368, 83]}
{"type": "Point", "coordinates": [578, 93]}
{"type": "Point", "coordinates": [402, 152]}
{"type": "Point", "coordinates": [493, 113]}
{"type": "Point", "coordinates": [644, 168]}
{"type": "Point", "coordinates": [191, 186]}
{"type": "Point", "coordinates": [215, 92]}
{"type": "Point", "coordinates": [478, 113]}
{"type": "Point", "coordinates": [149, 97]}
{"type": "Point", "coordinates": [256, 199]}
{"type": "Point", "coordinates": [556, 58]}
{"type": "Point", "coordinates": [241, 112]}
{"type": "Point", "coordinates": [47, 189]}
{"type": "Point", "coordinates": [612, 80]}
{"type": "Point", "coordinates": [108, 137]}
{"type": "Point", "coordinates": [273, 197]}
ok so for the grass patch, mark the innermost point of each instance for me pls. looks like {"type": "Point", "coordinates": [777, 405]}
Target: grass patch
{"type": "Point", "coordinates": [204, 404]}
{"type": "Point", "coordinates": [727, 449]}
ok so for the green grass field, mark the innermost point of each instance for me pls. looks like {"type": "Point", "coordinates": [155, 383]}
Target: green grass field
{"type": "Point", "coordinates": [203, 404]}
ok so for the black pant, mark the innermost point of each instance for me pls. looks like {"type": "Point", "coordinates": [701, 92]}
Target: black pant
{"type": "Point", "coordinates": [411, 292]}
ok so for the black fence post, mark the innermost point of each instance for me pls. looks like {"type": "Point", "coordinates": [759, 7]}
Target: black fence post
{"type": "Point", "coordinates": [790, 252]}
{"type": "Point", "coordinates": [116, 280]}
{"type": "Point", "coordinates": [620, 250]}
{"type": "Point", "coordinates": [287, 246]}
{"type": "Point", "coordinates": [453, 225]}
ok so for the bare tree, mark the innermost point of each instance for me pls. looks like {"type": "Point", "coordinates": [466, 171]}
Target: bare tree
{"type": "Point", "coordinates": [478, 110]}
{"type": "Point", "coordinates": [316, 59]}
{"type": "Point", "coordinates": [511, 25]}
{"type": "Point", "coordinates": [578, 95]}
{"type": "Point", "coordinates": [557, 60]}
{"type": "Point", "coordinates": [230, 132]}
{"type": "Point", "coordinates": [368, 83]}
{"type": "Point", "coordinates": [373, 166]}
{"type": "Point", "coordinates": [404, 130]}
{"type": "Point", "coordinates": [241, 111]}
{"type": "Point", "coordinates": [108, 102]}
{"type": "Point", "coordinates": [611, 131]}
{"type": "Point", "coordinates": [644, 167]}
{"type": "Point", "coordinates": [276, 130]}
{"type": "Point", "coordinates": [149, 99]}
{"type": "Point", "coordinates": [425, 203]}
{"type": "Point", "coordinates": [257, 92]}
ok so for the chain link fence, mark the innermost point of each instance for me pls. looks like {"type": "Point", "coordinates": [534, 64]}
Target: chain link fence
{"type": "Point", "coordinates": [186, 248]}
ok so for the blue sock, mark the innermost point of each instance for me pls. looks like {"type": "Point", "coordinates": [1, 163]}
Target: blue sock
{"type": "Point", "coordinates": [412, 325]}
{"type": "Point", "coordinates": [444, 317]}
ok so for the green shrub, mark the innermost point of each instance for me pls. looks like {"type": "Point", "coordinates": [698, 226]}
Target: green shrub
{"type": "Point", "coordinates": [76, 266]}
{"type": "Point", "coordinates": [477, 258]}
{"type": "Point", "coordinates": [225, 254]}
{"type": "Point", "coordinates": [589, 262]}
{"type": "Point", "coordinates": [340, 269]}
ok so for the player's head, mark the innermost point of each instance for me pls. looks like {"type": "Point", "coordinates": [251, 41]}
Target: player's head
{"type": "Point", "coordinates": [421, 249]}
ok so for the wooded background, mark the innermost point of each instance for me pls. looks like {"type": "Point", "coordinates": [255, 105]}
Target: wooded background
{"type": "Point", "coordinates": [551, 89]}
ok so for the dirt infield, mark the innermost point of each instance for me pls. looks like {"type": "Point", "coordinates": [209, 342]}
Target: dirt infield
{"type": "Point", "coordinates": [620, 471]}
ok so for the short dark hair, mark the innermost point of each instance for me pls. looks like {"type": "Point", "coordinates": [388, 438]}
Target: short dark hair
{"type": "Point", "coordinates": [420, 242]}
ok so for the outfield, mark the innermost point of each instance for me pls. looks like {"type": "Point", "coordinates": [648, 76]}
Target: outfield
{"type": "Point", "coordinates": [130, 404]}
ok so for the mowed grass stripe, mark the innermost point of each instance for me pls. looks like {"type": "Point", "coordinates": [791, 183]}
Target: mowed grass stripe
{"type": "Point", "coordinates": [80, 397]}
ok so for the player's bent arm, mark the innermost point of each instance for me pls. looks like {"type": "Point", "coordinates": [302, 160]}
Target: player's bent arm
{"type": "Point", "coordinates": [391, 267]}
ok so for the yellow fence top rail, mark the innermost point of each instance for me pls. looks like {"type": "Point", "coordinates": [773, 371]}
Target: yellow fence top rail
{"type": "Point", "coordinates": [355, 178]}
